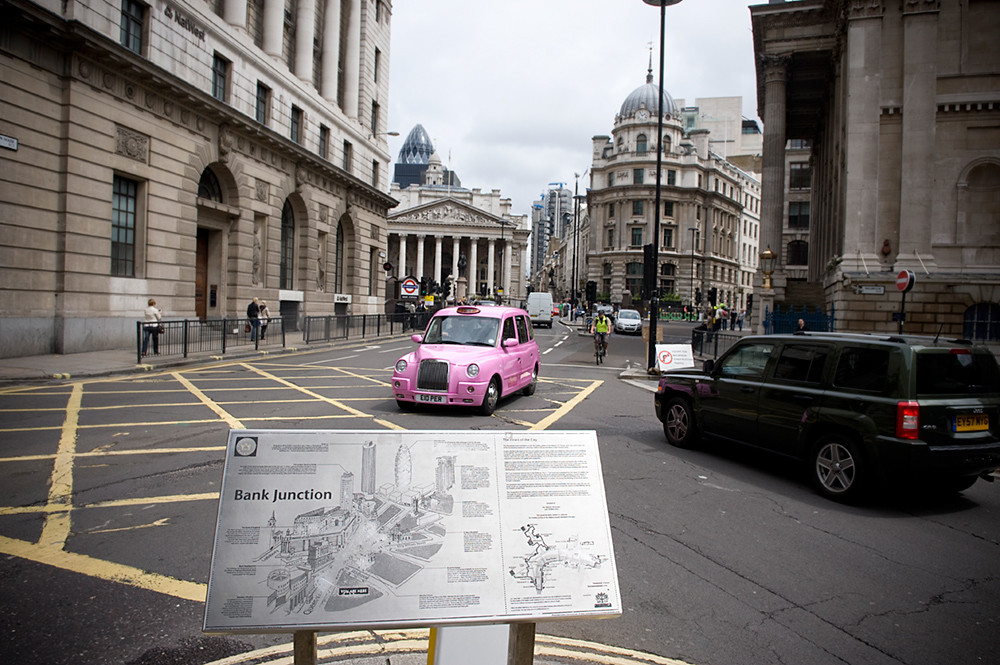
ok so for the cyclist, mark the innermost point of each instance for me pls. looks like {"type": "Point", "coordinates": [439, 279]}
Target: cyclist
{"type": "Point", "coordinates": [600, 329]}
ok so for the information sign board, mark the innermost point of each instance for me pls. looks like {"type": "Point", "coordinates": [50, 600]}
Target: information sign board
{"type": "Point", "coordinates": [334, 529]}
{"type": "Point", "coordinates": [674, 356]}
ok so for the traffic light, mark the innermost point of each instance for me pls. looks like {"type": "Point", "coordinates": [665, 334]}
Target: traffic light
{"type": "Point", "coordinates": [423, 286]}
{"type": "Point", "coordinates": [697, 296]}
{"type": "Point", "coordinates": [750, 302]}
{"type": "Point", "coordinates": [713, 294]}
{"type": "Point", "coordinates": [591, 291]}
{"type": "Point", "coordinates": [446, 289]}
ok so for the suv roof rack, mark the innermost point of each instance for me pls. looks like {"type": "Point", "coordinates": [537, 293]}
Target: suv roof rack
{"type": "Point", "coordinates": [886, 337]}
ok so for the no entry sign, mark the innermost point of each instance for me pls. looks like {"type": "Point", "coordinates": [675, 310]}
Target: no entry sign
{"type": "Point", "coordinates": [905, 280]}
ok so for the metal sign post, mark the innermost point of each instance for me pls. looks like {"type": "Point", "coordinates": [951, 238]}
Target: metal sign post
{"type": "Point", "coordinates": [904, 282]}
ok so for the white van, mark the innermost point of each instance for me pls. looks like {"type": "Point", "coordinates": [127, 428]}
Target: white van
{"type": "Point", "coordinates": [540, 308]}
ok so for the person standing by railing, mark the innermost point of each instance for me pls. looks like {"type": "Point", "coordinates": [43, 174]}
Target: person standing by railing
{"type": "Point", "coordinates": [151, 327]}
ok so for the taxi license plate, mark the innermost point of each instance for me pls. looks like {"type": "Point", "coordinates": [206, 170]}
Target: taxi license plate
{"type": "Point", "coordinates": [439, 399]}
{"type": "Point", "coordinates": [976, 422]}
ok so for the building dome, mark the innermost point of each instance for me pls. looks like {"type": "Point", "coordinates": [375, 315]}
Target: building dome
{"type": "Point", "coordinates": [417, 148]}
{"type": "Point", "coordinates": [645, 97]}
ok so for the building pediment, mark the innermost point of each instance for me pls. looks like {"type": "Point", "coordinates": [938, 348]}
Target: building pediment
{"type": "Point", "coordinates": [446, 212]}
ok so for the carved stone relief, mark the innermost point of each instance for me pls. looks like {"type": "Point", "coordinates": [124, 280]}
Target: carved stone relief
{"type": "Point", "coordinates": [131, 144]}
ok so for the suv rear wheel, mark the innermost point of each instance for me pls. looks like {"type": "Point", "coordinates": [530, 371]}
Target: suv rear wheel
{"type": "Point", "coordinates": [838, 470]}
{"type": "Point", "coordinates": [678, 423]}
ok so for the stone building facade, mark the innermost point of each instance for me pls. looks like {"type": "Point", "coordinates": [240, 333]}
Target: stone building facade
{"type": "Point", "coordinates": [708, 217]}
{"type": "Point", "coordinates": [436, 225]}
{"type": "Point", "coordinates": [899, 103]}
{"type": "Point", "coordinates": [197, 153]}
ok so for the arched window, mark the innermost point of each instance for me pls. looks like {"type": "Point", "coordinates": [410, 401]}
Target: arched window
{"type": "Point", "coordinates": [981, 322]}
{"type": "Point", "coordinates": [798, 253]}
{"type": "Point", "coordinates": [338, 269]}
{"type": "Point", "coordinates": [209, 187]}
{"type": "Point", "coordinates": [286, 274]}
{"type": "Point", "coordinates": [640, 144]}
{"type": "Point", "coordinates": [666, 144]}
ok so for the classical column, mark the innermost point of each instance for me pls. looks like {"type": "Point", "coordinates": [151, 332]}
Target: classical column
{"type": "Point", "coordinates": [437, 258]}
{"type": "Point", "coordinates": [862, 78]}
{"type": "Point", "coordinates": [490, 252]}
{"type": "Point", "coordinates": [274, 22]}
{"type": "Point", "coordinates": [474, 266]}
{"type": "Point", "coordinates": [235, 13]}
{"type": "Point", "coordinates": [402, 256]}
{"type": "Point", "coordinates": [505, 280]}
{"type": "Point", "coordinates": [331, 50]}
{"type": "Point", "coordinates": [420, 257]}
{"type": "Point", "coordinates": [456, 243]}
{"type": "Point", "coordinates": [773, 176]}
{"type": "Point", "coordinates": [352, 61]}
{"type": "Point", "coordinates": [912, 232]}
{"type": "Point", "coordinates": [305, 26]}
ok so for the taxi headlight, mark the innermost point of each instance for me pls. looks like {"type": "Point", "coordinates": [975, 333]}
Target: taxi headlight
{"type": "Point", "coordinates": [400, 365]}
{"type": "Point", "coordinates": [472, 371]}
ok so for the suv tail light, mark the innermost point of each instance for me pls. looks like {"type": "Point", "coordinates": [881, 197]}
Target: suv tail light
{"type": "Point", "coordinates": [907, 420]}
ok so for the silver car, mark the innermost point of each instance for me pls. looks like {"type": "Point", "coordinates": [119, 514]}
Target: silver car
{"type": "Point", "coordinates": [628, 321]}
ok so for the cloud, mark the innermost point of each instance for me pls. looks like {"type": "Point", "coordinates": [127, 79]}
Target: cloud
{"type": "Point", "coordinates": [515, 90]}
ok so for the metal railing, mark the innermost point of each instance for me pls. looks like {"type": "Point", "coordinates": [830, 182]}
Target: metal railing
{"type": "Point", "coordinates": [190, 336]}
{"type": "Point", "coordinates": [357, 326]}
{"type": "Point", "coordinates": [711, 344]}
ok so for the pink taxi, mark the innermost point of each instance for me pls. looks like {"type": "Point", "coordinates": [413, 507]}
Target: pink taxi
{"type": "Point", "coordinates": [469, 356]}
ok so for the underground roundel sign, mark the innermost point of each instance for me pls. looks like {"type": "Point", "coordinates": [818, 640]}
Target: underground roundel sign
{"type": "Point", "coordinates": [409, 287]}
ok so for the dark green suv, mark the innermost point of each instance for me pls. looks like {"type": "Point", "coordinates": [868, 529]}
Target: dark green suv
{"type": "Point", "coordinates": [857, 408]}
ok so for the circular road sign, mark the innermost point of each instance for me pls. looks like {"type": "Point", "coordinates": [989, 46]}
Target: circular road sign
{"type": "Point", "coordinates": [905, 280]}
{"type": "Point", "coordinates": [409, 287]}
{"type": "Point", "coordinates": [666, 357]}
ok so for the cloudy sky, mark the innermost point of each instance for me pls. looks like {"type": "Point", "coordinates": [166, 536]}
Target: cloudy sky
{"type": "Point", "coordinates": [514, 90]}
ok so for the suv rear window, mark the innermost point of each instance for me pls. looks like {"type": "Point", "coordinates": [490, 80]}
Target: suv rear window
{"type": "Point", "coordinates": [862, 368]}
{"type": "Point", "coordinates": [958, 372]}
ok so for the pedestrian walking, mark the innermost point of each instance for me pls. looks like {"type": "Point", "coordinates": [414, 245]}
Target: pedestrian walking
{"type": "Point", "coordinates": [265, 318]}
{"type": "Point", "coordinates": [253, 318]}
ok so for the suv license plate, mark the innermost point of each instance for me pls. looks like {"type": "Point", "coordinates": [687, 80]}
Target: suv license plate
{"type": "Point", "coordinates": [972, 422]}
{"type": "Point", "coordinates": [431, 398]}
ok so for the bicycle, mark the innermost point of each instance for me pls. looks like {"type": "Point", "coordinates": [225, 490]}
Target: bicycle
{"type": "Point", "coordinates": [600, 347]}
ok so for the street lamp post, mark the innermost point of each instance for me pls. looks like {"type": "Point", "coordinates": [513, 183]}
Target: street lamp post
{"type": "Point", "coordinates": [693, 230]}
{"type": "Point", "coordinates": [654, 303]}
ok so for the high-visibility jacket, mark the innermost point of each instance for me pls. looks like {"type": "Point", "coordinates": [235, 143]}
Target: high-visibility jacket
{"type": "Point", "coordinates": [602, 324]}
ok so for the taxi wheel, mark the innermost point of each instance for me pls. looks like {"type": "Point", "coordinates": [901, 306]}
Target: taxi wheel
{"type": "Point", "coordinates": [530, 388]}
{"type": "Point", "coordinates": [404, 405]}
{"type": "Point", "coordinates": [491, 398]}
